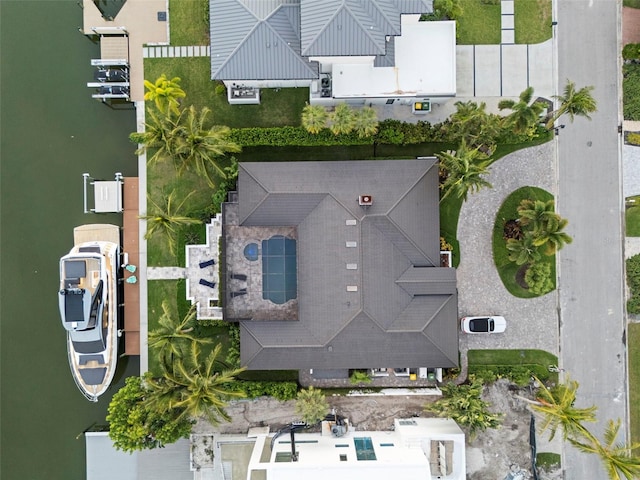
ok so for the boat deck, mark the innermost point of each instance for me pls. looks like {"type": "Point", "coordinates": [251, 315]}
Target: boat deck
{"type": "Point", "coordinates": [96, 232]}
{"type": "Point", "coordinates": [130, 245]}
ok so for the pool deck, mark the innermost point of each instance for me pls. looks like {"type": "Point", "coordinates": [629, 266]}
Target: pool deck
{"type": "Point", "coordinates": [244, 288]}
{"type": "Point", "coordinates": [139, 18]}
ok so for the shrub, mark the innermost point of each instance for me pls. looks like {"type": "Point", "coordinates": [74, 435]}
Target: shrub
{"type": "Point", "coordinates": [633, 138]}
{"type": "Point", "coordinates": [220, 89]}
{"type": "Point", "coordinates": [538, 277]}
{"type": "Point", "coordinates": [359, 376]}
{"type": "Point", "coordinates": [278, 390]}
{"type": "Point", "coordinates": [633, 281]}
{"type": "Point", "coordinates": [233, 353]}
{"type": "Point", "coordinates": [631, 91]}
{"type": "Point", "coordinates": [631, 51]}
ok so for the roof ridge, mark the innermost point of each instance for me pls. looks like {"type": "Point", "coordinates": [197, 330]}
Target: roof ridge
{"type": "Point", "coordinates": [321, 31]}
{"type": "Point", "coordinates": [362, 27]}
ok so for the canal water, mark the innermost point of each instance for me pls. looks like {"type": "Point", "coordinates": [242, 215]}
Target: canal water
{"type": "Point", "coordinates": [51, 132]}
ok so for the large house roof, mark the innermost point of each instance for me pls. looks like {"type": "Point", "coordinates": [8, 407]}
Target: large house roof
{"type": "Point", "coordinates": [353, 27]}
{"type": "Point", "coordinates": [272, 39]}
{"type": "Point", "coordinates": [257, 40]}
{"type": "Point", "coordinates": [404, 312]}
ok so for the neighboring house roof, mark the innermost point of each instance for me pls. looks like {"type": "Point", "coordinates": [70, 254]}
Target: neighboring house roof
{"type": "Point", "coordinates": [104, 461]}
{"type": "Point", "coordinates": [404, 312]}
{"type": "Point", "coordinates": [353, 27]}
{"type": "Point", "coordinates": [254, 40]}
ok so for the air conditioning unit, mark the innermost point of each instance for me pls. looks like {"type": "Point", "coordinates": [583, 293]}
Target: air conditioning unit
{"type": "Point", "coordinates": [365, 200]}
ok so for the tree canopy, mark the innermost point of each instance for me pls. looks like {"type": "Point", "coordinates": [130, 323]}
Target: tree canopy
{"type": "Point", "coordinates": [134, 425]}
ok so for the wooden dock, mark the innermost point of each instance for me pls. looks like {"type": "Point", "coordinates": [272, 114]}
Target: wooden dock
{"type": "Point", "coordinates": [130, 246]}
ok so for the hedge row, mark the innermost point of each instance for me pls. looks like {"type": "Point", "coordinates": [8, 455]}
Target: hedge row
{"type": "Point", "coordinates": [390, 132]}
{"type": "Point", "coordinates": [631, 91]}
{"type": "Point", "coordinates": [278, 390]}
{"type": "Point", "coordinates": [633, 281]}
{"type": "Point", "coordinates": [286, 136]}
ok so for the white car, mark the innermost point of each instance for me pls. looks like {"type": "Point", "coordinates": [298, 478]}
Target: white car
{"type": "Point", "coordinates": [484, 324]}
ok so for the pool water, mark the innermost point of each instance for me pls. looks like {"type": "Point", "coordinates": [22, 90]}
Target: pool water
{"type": "Point", "coordinates": [251, 252]}
{"type": "Point", "coordinates": [279, 269]}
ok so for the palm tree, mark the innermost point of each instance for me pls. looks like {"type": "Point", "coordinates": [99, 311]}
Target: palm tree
{"type": "Point", "coordinates": [539, 215]}
{"type": "Point", "coordinates": [465, 170]}
{"type": "Point", "coordinates": [342, 119]}
{"type": "Point", "coordinates": [314, 118]}
{"type": "Point", "coordinates": [165, 218]}
{"type": "Point", "coordinates": [159, 134]}
{"type": "Point", "coordinates": [366, 122]}
{"type": "Point", "coordinates": [573, 102]}
{"type": "Point", "coordinates": [524, 114]}
{"type": "Point", "coordinates": [557, 407]}
{"type": "Point", "coordinates": [199, 147]}
{"type": "Point", "coordinates": [195, 387]}
{"type": "Point", "coordinates": [171, 336]}
{"type": "Point", "coordinates": [617, 458]}
{"type": "Point", "coordinates": [552, 237]}
{"type": "Point", "coordinates": [523, 250]}
{"type": "Point", "coordinates": [471, 123]}
{"type": "Point", "coordinates": [165, 93]}
{"type": "Point", "coordinates": [311, 405]}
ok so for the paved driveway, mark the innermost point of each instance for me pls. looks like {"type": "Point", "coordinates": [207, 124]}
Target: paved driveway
{"type": "Point", "coordinates": [504, 70]}
{"type": "Point", "coordinates": [532, 323]}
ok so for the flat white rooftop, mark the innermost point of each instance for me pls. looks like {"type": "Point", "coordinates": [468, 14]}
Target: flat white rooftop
{"type": "Point", "coordinates": [425, 65]}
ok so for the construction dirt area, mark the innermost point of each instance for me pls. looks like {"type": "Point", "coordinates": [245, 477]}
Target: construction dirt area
{"type": "Point", "coordinates": [492, 454]}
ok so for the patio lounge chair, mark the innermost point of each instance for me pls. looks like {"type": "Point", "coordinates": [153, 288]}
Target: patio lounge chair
{"type": "Point", "coordinates": [239, 276]}
{"type": "Point", "coordinates": [132, 279]}
{"type": "Point", "coordinates": [207, 263]}
{"type": "Point", "coordinates": [238, 293]}
{"type": "Point", "coordinates": [207, 283]}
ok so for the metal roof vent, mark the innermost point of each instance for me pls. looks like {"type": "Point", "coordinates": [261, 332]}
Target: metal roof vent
{"type": "Point", "coordinates": [365, 200]}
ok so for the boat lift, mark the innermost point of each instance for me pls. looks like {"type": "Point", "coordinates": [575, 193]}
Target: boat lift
{"type": "Point", "coordinates": [107, 195]}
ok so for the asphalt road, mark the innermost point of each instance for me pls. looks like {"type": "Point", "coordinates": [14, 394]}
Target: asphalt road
{"type": "Point", "coordinates": [591, 308]}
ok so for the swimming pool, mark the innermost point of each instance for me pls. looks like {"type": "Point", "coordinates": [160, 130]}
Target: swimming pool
{"type": "Point", "coordinates": [279, 269]}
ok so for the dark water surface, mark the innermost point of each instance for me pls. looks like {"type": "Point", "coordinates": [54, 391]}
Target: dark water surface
{"type": "Point", "coordinates": [51, 132]}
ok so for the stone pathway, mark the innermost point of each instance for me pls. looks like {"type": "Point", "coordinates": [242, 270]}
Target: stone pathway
{"type": "Point", "coordinates": [166, 51]}
{"type": "Point", "coordinates": [165, 273]}
{"type": "Point", "coordinates": [508, 26]}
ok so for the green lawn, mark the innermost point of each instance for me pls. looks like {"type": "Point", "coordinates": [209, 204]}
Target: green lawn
{"type": "Point", "coordinates": [632, 217]}
{"type": "Point", "coordinates": [278, 107]}
{"type": "Point", "coordinates": [631, 3]}
{"type": "Point", "coordinates": [532, 20]}
{"type": "Point", "coordinates": [479, 24]}
{"type": "Point", "coordinates": [536, 360]}
{"type": "Point", "coordinates": [506, 268]}
{"type": "Point", "coordinates": [633, 342]}
{"type": "Point", "coordinates": [189, 22]}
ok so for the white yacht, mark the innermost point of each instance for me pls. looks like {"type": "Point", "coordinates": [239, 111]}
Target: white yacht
{"type": "Point", "coordinates": [88, 301]}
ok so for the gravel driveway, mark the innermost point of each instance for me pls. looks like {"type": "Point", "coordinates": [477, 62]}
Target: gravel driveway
{"type": "Point", "coordinates": [532, 323]}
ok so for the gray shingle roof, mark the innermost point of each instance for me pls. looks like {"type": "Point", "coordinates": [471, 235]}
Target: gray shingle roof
{"type": "Point", "coordinates": [405, 310]}
{"type": "Point", "coordinates": [256, 41]}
